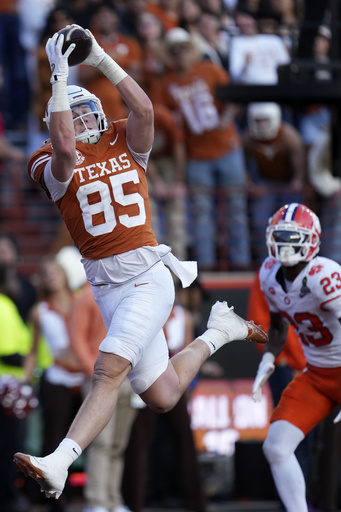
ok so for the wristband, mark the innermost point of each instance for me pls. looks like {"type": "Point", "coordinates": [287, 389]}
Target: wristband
{"type": "Point", "coordinates": [60, 98]}
{"type": "Point", "coordinates": [111, 70]}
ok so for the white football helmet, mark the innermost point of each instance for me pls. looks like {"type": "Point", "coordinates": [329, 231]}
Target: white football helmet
{"type": "Point", "coordinates": [264, 120]}
{"type": "Point", "coordinates": [293, 234]}
{"type": "Point", "coordinates": [91, 105]}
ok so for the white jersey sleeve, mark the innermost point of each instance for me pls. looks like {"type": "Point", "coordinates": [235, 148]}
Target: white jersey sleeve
{"type": "Point", "coordinates": [269, 268]}
{"type": "Point", "coordinates": [56, 188]}
{"type": "Point", "coordinates": [326, 276]}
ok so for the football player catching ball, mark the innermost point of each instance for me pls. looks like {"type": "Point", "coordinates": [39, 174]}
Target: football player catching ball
{"type": "Point", "coordinates": [96, 175]}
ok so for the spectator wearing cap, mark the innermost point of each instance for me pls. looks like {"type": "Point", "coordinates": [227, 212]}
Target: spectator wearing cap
{"type": "Point", "coordinates": [214, 156]}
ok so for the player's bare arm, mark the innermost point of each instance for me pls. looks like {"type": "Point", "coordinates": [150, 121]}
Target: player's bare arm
{"type": "Point", "coordinates": [277, 335]}
{"type": "Point", "coordinates": [140, 123]}
{"type": "Point", "coordinates": [64, 145]}
{"type": "Point", "coordinates": [278, 332]}
{"type": "Point", "coordinates": [61, 123]}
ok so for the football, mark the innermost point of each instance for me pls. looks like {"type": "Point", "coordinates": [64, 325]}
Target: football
{"type": "Point", "coordinates": [82, 41]}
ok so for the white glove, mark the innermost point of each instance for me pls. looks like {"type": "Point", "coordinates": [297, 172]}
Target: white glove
{"type": "Point", "coordinates": [58, 61]}
{"type": "Point", "coordinates": [337, 418]}
{"type": "Point", "coordinates": [97, 53]}
{"type": "Point", "coordinates": [265, 369]}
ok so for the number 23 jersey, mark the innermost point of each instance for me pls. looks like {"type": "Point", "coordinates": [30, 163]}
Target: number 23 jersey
{"type": "Point", "coordinates": [105, 206]}
{"type": "Point", "coordinates": [312, 305]}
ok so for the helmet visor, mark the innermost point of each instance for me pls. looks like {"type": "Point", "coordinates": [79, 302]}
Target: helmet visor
{"type": "Point", "coordinates": [83, 109]}
{"type": "Point", "coordinates": [288, 237]}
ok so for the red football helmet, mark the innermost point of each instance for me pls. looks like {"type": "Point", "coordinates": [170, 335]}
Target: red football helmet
{"type": "Point", "coordinates": [293, 234]}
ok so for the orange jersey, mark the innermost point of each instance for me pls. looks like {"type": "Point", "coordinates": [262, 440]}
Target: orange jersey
{"type": "Point", "coordinates": [106, 205]}
{"type": "Point", "coordinates": [272, 156]}
{"type": "Point", "coordinates": [193, 95]}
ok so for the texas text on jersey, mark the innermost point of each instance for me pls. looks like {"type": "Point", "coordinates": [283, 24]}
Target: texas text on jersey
{"type": "Point", "coordinates": [105, 206]}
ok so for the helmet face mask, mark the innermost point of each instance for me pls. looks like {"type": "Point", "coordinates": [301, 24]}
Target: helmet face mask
{"type": "Point", "coordinates": [293, 235]}
{"type": "Point", "coordinates": [83, 113]}
{"type": "Point", "coordinates": [83, 105]}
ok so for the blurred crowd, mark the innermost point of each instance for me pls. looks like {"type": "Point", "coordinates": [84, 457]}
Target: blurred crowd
{"type": "Point", "coordinates": [217, 169]}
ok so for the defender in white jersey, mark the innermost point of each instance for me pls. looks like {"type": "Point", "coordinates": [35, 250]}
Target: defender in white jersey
{"type": "Point", "coordinates": [305, 290]}
{"type": "Point", "coordinates": [95, 174]}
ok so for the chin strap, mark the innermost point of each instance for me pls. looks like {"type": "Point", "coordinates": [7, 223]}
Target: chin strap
{"type": "Point", "coordinates": [88, 137]}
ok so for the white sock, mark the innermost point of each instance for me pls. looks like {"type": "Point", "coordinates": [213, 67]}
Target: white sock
{"type": "Point", "coordinates": [67, 452]}
{"type": "Point", "coordinates": [213, 338]}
